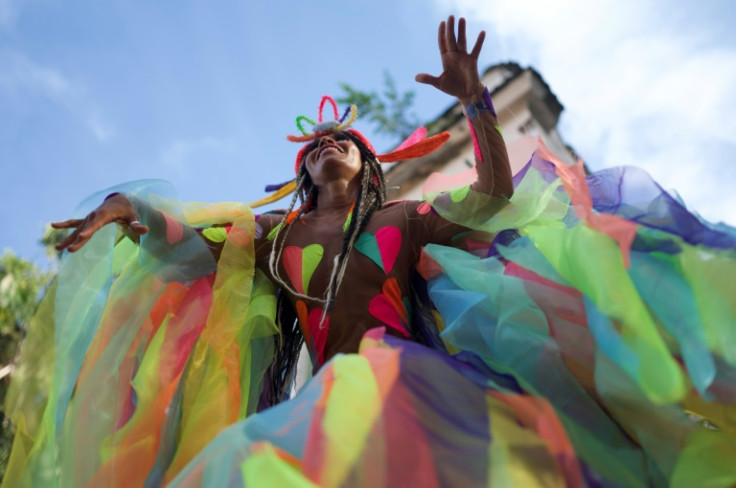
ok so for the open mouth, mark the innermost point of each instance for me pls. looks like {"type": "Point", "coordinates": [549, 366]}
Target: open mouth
{"type": "Point", "coordinates": [326, 147]}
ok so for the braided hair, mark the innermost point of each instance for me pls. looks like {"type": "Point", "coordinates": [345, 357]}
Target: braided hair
{"type": "Point", "coordinates": [371, 197]}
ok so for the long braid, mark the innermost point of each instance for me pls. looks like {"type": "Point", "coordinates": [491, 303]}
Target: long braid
{"type": "Point", "coordinates": [371, 197]}
{"type": "Point", "coordinates": [290, 339]}
{"type": "Point", "coordinates": [284, 228]}
{"type": "Point", "coordinates": [288, 345]}
{"type": "Point", "coordinates": [340, 261]}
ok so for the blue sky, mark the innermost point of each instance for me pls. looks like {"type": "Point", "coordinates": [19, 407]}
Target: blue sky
{"type": "Point", "coordinates": [96, 93]}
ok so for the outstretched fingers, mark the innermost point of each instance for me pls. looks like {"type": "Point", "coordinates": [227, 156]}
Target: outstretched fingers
{"type": "Point", "coordinates": [451, 41]}
{"type": "Point", "coordinates": [462, 39]}
{"type": "Point", "coordinates": [80, 241]}
{"type": "Point", "coordinates": [136, 227]}
{"type": "Point", "coordinates": [76, 224]}
{"type": "Point", "coordinates": [68, 240]}
{"type": "Point", "coordinates": [428, 79]}
{"type": "Point", "coordinates": [448, 42]}
{"type": "Point", "coordinates": [459, 67]}
{"type": "Point", "coordinates": [67, 224]}
{"type": "Point", "coordinates": [475, 53]}
{"type": "Point", "coordinates": [96, 221]}
{"type": "Point", "coordinates": [462, 43]}
{"type": "Point", "coordinates": [84, 230]}
{"type": "Point", "coordinates": [442, 38]}
{"type": "Point", "coordinates": [115, 208]}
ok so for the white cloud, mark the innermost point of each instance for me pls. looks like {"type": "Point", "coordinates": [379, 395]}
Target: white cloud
{"type": "Point", "coordinates": [21, 77]}
{"type": "Point", "coordinates": [636, 90]}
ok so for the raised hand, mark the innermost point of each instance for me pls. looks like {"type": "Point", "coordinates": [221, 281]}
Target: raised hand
{"type": "Point", "coordinates": [115, 208]}
{"type": "Point", "coordinates": [459, 76]}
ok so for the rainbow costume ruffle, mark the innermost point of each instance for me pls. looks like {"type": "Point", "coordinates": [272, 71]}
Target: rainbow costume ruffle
{"type": "Point", "coordinates": [585, 335]}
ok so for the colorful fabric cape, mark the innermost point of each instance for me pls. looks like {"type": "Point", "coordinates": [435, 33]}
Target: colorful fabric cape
{"type": "Point", "coordinates": [585, 335]}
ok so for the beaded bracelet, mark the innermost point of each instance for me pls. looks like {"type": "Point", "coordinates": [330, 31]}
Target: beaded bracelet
{"type": "Point", "coordinates": [474, 109]}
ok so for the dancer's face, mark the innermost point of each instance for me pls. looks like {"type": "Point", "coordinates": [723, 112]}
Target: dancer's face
{"type": "Point", "coordinates": [334, 157]}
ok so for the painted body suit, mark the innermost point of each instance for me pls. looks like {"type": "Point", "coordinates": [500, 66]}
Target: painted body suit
{"type": "Point", "coordinates": [377, 290]}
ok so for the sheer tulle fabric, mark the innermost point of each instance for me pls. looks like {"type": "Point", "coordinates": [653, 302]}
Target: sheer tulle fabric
{"type": "Point", "coordinates": [584, 341]}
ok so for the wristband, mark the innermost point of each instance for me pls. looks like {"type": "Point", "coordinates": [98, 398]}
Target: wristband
{"type": "Point", "coordinates": [472, 110]}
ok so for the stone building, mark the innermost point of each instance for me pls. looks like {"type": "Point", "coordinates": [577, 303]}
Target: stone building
{"type": "Point", "coordinates": [525, 106]}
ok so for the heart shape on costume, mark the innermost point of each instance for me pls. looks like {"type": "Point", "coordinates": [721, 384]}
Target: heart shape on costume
{"type": "Point", "coordinates": [382, 247]}
{"type": "Point", "coordinates": [389, 308]}
{"type": "Point", "coordinates": [319, 332]}
{"type": "Point", "coordinates": [302, 314]}
{"type": "Point", "coordinates": [315, 334]}
{"type": "Point", "coordinates": [301, 263]}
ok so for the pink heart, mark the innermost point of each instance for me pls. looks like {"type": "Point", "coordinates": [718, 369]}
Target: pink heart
{"type": "Point", "coordinates": [388, 307]}
{"type": "Point", "coordinates": [382, 247]}
{"type": "Point", "coordinates": [389, 245]}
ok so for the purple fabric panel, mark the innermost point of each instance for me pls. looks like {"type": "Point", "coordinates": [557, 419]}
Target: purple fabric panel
{"type": "Point", "coordinates": [489, 102]}
{"type": "Point", "coordinates": [477, 371]}
{"type": "Point", "coordinates": [503, 238]}
{"type": "Point", "coordinates": [545, 168]}
{"type": "Point", "coordinates": [520, 175]}
{"type": "Point", "coordinates": [424, 329]}
{"type": "Point", "coordinates": [451, 410]}
{"type": "Point", "coordinates": [631, 193]}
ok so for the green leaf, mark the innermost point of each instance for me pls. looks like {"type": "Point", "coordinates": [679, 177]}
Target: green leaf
{"type": "Point", "coordinates": [390, 113]}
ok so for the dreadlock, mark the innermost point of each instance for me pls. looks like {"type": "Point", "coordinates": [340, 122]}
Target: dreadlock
{"type": "Point", "coordinates": [371, 197]}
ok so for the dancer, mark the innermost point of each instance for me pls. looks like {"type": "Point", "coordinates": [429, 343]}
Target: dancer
{"type": "Point", "coordinates": [551, 355]}
{"type": "Point", "coordinates": [342, 191]}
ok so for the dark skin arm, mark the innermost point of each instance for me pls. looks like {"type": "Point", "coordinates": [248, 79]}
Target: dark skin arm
{"type": "Point", "coordinates": [116, 208]}
{"type": "Point", "coordinates": [460, 79]}
{"type": "Point", "coordinates": [119, 209]}
{"type": "Point", "coordinates": [459, 76]}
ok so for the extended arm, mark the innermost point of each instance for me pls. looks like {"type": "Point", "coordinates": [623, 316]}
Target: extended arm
{"type": "Point", "coordinates": [168, 241]}
{"type": "Point", "coordinates": [170, 249]}
{"type": "Point", "coordinates": [460, 79]}
{"type": "Point", "coordinates": [115, 208]}
{"type": "Point", "coordinates": [166, 234]}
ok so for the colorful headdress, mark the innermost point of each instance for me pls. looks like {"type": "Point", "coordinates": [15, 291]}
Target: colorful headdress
{"type": "Point", "coordinates": [415, 146]}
